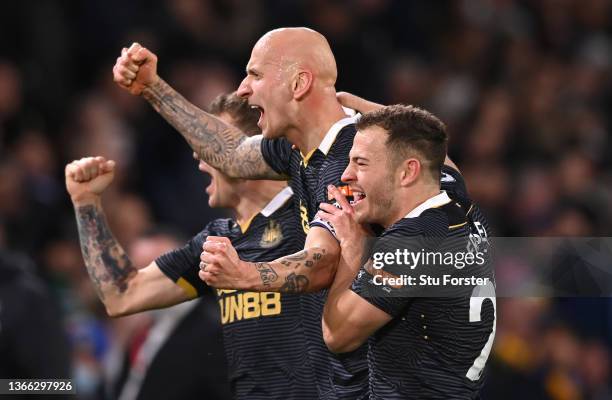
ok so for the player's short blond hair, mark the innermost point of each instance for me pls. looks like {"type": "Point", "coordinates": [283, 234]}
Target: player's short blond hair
{"type": "Point", "coordinates": [245, 118]}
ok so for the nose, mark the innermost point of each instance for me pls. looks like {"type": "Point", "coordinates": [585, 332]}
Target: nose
{"type": "Point", "coordinates": [348, 175]}
{"type": "Point", "coordinates": [244, 90]}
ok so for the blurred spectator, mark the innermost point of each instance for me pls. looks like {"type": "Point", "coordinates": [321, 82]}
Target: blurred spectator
{"type": "Point", "coordinates": [175, 352]}
{"type": "Point", "coordinates": [33, 343]}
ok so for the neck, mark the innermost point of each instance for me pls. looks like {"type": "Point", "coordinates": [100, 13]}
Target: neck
{"type": "Point", "coordinates": [411, 200]}
{"type": "Point", "coordinates": [256, 195]}
{"type": "Point", "coordinates": [313, 119]}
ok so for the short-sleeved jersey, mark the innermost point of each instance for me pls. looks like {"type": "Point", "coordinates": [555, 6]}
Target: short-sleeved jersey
{"type": "Point", "coordinates": [262, 332]}
{"type": "Point", "coordinates": [309, 175]}
{"type": "Point", "coordinates": [439, 339]}
{"type": "Point", "coordinates": [337, 376]}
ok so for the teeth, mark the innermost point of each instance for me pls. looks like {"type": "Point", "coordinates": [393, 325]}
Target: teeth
{"type": "Point", "coordinates": [358, 195]}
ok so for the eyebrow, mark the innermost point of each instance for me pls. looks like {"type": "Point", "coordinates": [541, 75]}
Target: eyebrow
{"type": "Point", "coordinates": [357, 158]}
{"type": "Point", "coordinates": [252, 71]}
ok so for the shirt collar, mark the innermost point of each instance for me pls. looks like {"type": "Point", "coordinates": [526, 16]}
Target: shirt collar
{"type": "Point", "coordinates": [330, 136]}
{"type": "Point", "coordinates": [270, 208]}
{"type": "Point", "coordinates": [433, 202]}
{"type": "Point", "coordinates": [277, 202]}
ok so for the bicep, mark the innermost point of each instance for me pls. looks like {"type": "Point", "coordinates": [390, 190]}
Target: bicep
{"type": "Point", "coordinates": [322, 238]}
{"type": "Point", "coordinates": [311, 269]}
{"type": "Point", "coordinates": [320, 241]}
{"type": "Point", "coordinates": [150, 288]}
{"type": "Point", "coordinates": [249, 162]}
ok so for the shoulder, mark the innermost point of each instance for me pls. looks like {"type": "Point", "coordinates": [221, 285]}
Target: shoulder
{"type": "Point", "coordinates": [219, 227]}
{"type": "Point", "coordinates": [403, 227]}
{"type": "Point", "coordinates": [280, 209]}
{"type": "Point", "coordinates": [431, 222]}
{"type": "Point", "coordinates": [344, 140]}
{"type": "Point", "coordinates": [453, 183]}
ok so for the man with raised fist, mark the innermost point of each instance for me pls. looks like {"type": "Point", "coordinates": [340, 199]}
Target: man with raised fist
{"type": "Point", "coordinates": [263, 333]}
{"type": "Point", "coordinates": [306, 137]}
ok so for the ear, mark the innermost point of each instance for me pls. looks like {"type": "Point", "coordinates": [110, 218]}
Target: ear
{"type": "Point", "coordinates": [409, 170]}
{"type": "Point", "coordinates": [302, 84]}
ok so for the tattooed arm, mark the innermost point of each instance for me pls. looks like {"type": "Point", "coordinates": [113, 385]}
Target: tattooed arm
{"type": "Point", "coordinates": [219, 144]}
{"type": "Point", "coordinates": [122, 287]}
{"type": "Point", "coordinates": [309, 270]}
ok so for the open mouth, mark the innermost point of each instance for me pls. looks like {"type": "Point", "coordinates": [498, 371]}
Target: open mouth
{"type": "Point", "coordinates": [261, 113]}
{"type": "Point", "coordinates": [358, 196]}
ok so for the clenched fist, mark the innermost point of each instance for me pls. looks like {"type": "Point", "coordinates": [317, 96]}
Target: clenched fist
{"type": "Point", "coordinates": [135, 69]}
{"type": "Point", "coordinates": [88, 177]}
{"type": "Point", "coordinates": [220, 266]}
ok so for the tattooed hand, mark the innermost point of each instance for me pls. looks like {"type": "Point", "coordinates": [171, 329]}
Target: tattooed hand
{"type": "Point", "coordinates": [221, 268]}
{"type": "Point", "coordinates": [88, 177]}
{"type": "Point", "coordinates": [135, 69]}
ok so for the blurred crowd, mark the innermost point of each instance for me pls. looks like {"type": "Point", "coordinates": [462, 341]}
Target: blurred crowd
{"type": "Point", "coordinates": [525, 87]}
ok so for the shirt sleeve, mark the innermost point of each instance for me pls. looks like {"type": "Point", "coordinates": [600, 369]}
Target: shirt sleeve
{"type": "Point", "coordinates": [321, 223]}
{"type": "Point", "coordinates": [331, 174]}
{"type": "Point", "coordinates": [184, 263]}
{"type": "Point", "coordinates": [384, 279]}
{"type": "Point", "coordinates": [277, 153]}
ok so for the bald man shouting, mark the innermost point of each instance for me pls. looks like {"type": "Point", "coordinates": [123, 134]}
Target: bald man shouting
{"type": "Point", "coordinates": [306, 138]}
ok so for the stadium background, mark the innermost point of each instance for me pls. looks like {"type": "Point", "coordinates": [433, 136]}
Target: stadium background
{"type": "Point", "coordinates": [525, 87]}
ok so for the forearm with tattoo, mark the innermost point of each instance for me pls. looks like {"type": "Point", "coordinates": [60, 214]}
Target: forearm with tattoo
{"type": "Point", "coordinates": [306, 271]}
{"type": "Point", "coordinates": [219, 144]}
{"type": "Point", "coordinates": [107, 263]}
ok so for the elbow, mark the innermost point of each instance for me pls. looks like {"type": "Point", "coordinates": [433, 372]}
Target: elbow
{"type": "Point", "coordinates": [116, 309]}
{"type": "Point", "coordinates": [114, 312]}
{"type": "Point", "coordinates": [322, 279]}
{"type": "Point", "coordinates": [337, 342]}
{"type": "Point", "coordinates": [323, 273]}
{"type": "Point", "coordinates": [339, 345]}
{"type": "Point", "coordinates": [333, 343]}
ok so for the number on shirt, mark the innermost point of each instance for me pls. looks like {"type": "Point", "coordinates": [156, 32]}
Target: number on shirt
{"type": "Point", "coordinates": [479, 294]}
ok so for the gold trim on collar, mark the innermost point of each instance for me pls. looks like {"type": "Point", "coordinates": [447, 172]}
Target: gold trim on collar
{"type": "Point", "coordinates": [246, 224]}
{"type": "Point", "coordinates": [306, 158]}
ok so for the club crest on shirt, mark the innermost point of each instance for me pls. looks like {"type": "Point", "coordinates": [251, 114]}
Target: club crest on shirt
{"type": "Point", "coordinates": [272, 235]}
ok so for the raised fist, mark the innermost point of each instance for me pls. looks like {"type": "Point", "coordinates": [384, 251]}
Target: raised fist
{"type": "Point", "coordinates": [135, 69]}
{"type": "Point", "coordinates": [88, 177]}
